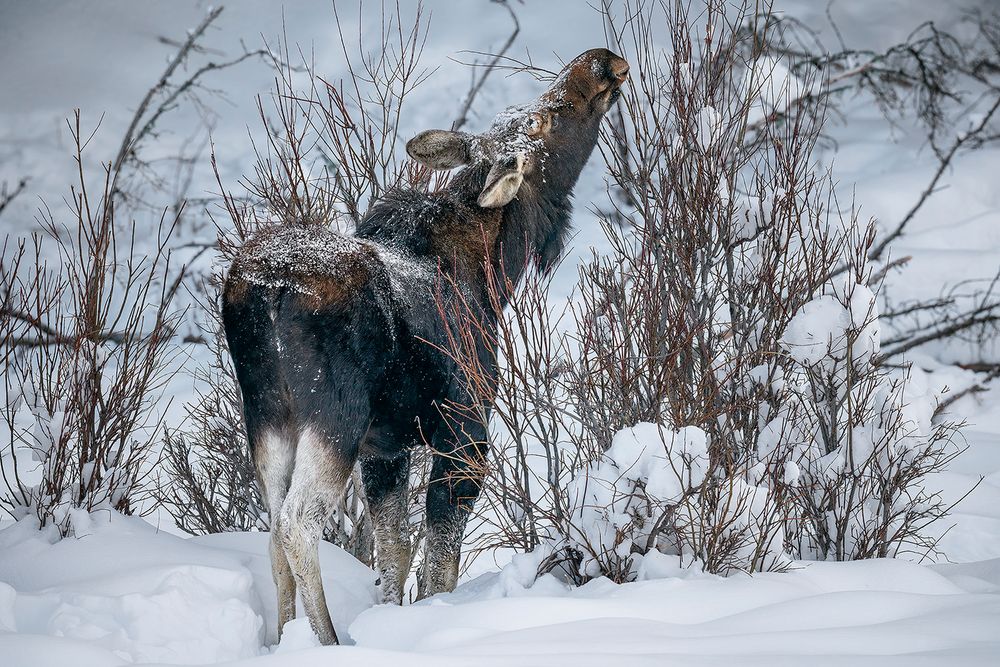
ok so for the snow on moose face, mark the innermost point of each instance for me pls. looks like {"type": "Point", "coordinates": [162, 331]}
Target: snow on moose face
{"type": "Point", "coordinates": [547, 140]}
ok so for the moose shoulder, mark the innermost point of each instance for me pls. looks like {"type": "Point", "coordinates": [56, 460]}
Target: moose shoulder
{"type": "Point", "coordinates": [330, 334]}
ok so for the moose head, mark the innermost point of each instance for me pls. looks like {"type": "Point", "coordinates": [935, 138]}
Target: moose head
{"type": "Point", "coordinates": [543, 144]}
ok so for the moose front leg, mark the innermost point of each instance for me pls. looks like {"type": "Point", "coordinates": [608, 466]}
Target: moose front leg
{"type": "Point", "coordinates": [455, 481]}
{"type": "Point", "coordinates": [386, 484]}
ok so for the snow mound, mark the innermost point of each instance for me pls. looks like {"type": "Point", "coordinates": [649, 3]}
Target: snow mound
{"type": "Point", "coordinates": [834, 613]}
{"type": "Point", "coordinates": [181, 615]}
{"type": "Point", "coordinates": [122, 592]}
{"type": "Point", "coordinates": [822, 328]}
{"type": "Point", "coordinates": [349, 585]}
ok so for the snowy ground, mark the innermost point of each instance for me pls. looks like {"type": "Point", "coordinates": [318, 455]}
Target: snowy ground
{"type": "Point", "coordinates": [127, 591]}
{"type": "Point", "coordinates": [123, 592]}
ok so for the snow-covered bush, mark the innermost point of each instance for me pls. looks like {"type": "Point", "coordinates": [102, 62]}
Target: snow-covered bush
{"type": "Point", "coordinates": [620, 501]}
{"type": "Point", "coordinates": [85, 330]}
{"type": "Point", "coordinates": [743, 301]}
{"type": "Point", "coordinates": [714, 388]}
{"type": "Point", "coordinates": [853, 451]}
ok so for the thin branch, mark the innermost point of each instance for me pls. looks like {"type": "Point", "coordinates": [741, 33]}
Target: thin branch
{"type": "Point", "coordinates": [487, 69]}
{"type": "Point", "coordinates": [145, 118]}
{"type": "Point", "coordinates": [975, 388]}
{"type": "Point", "coordinates": [130, 138]}
{"type": "Point", "coordinates": [7, 196]}
{"type": "Point", "coordinates": [944, 331]}
{"type": "Point", "coordinates": [944, 163]}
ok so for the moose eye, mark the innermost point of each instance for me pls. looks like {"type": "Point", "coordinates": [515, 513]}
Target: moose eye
{"type": "Point", "coordinates": [536, 124]}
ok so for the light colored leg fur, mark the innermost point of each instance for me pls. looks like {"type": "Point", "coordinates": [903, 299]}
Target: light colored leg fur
{"type": "Point", "coordinates": [441, 557]}
{"type": "Point", "coordinates": [392, 546]}
{"type": "Point", "coordinates": [318, 480]}
{"type": "Point", "coordinates": [274, 458]}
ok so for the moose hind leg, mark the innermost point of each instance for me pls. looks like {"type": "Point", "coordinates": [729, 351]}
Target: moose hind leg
{"type": "Point", "coordinates": [386, 482]}
{"type": "Point", "coordinates": [451, 494]}
{"type": "Point", "coordinates": [317, 483]}
{"type": "Point", "coordinates": [267, 408]}
{"type": "Point", "coordinates": [274, 457]}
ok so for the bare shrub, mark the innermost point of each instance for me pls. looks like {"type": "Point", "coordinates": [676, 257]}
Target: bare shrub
{"type": "Point", "coordinates": [714, 389]}
{"type": "Point", "coordinates": [145, 181]}
{"type": "Point", "coordinates": [85, 337]}
{"type": "Point", "coordinates": [331, 147]}
{"type": "Point", "coordinates": [87, 313]}
{"type": "Point", "coordinates": [208, 482]}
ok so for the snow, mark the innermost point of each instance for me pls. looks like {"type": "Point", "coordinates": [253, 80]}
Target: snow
{"type": "Point", "coordinates": [822, 610]}
{"type": "Point", "coordinates": [122, 592]}
{"type": "Point", "coordinates": [511, 132]}
{"type": "Point", "coordinates": [119, 591]}
{"type": "Point", "coordinates": [709, 126]}
{"type": "Point", "coordinates": [824, 328]}
{"type": "Point", "coordinates": [658, 459]}
{"type": "Point", "coordinates": [125, 591]}
{"type": "Point", "coordinates": [294, 250]}
{"type": "Point", "coordinates": [147, 596]}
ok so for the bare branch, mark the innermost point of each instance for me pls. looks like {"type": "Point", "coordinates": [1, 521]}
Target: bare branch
{"type": "Point", "coordinates": [7, 196]}
{"type": "Point", "coordinates": [478, 79]}
{"type": "Point", "coordinates": [944, 162]}
{"type": "Point", "coordinates": [130, 139]}
{"type": "Point", "coordinates": [977, 387]}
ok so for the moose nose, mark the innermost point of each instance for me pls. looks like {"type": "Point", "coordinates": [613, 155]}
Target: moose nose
{"type": "Point", "coordinates": [619, 70]}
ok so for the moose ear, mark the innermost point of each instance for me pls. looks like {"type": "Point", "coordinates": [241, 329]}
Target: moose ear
{"type": "Point", "coordinates": [503, 182]}
{"type": "Point", "coordinates": [440, 149]}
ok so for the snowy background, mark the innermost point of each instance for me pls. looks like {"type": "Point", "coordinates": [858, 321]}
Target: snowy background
{"type": "Point", "coordinates": [127, 590]}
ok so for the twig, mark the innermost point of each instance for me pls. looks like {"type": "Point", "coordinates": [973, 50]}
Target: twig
{"type": "Point", "coordinates": [877, 277]}
{"type": "Point", "coordinates": [30, 320]}
{"type": "Point", "coordinates": [513, 65]}
{"type": "Point", "coordinates": [917, 307]}
{"type": "Point", "coordinates": [7, 196]}
{"type": "Point", "coordinates": [945, 162]}
{"type": "Point", "coordinates": [981, 367]}
{"type": "Point", "coordinates": [480, 79]}
{"type": "Point", "coordinates": [145, 118]}
{"type": "Point", "coordinates": [130, 138]}
{"type": "Point", "coordinates": [944, 331]}
{"type": "Point", "coordinates": [975, 388]}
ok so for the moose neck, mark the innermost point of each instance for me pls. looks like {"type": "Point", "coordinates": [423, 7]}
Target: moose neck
{"type": "Point", "coordinates": [535, 225]}
{"type": "Point", "coordinates": [530, 228]}
{"type": "Point", "coordinates": [533, 228]}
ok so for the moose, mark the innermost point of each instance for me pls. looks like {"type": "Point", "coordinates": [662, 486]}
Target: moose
{"type": "Point", "coordinates": [337, 341]}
